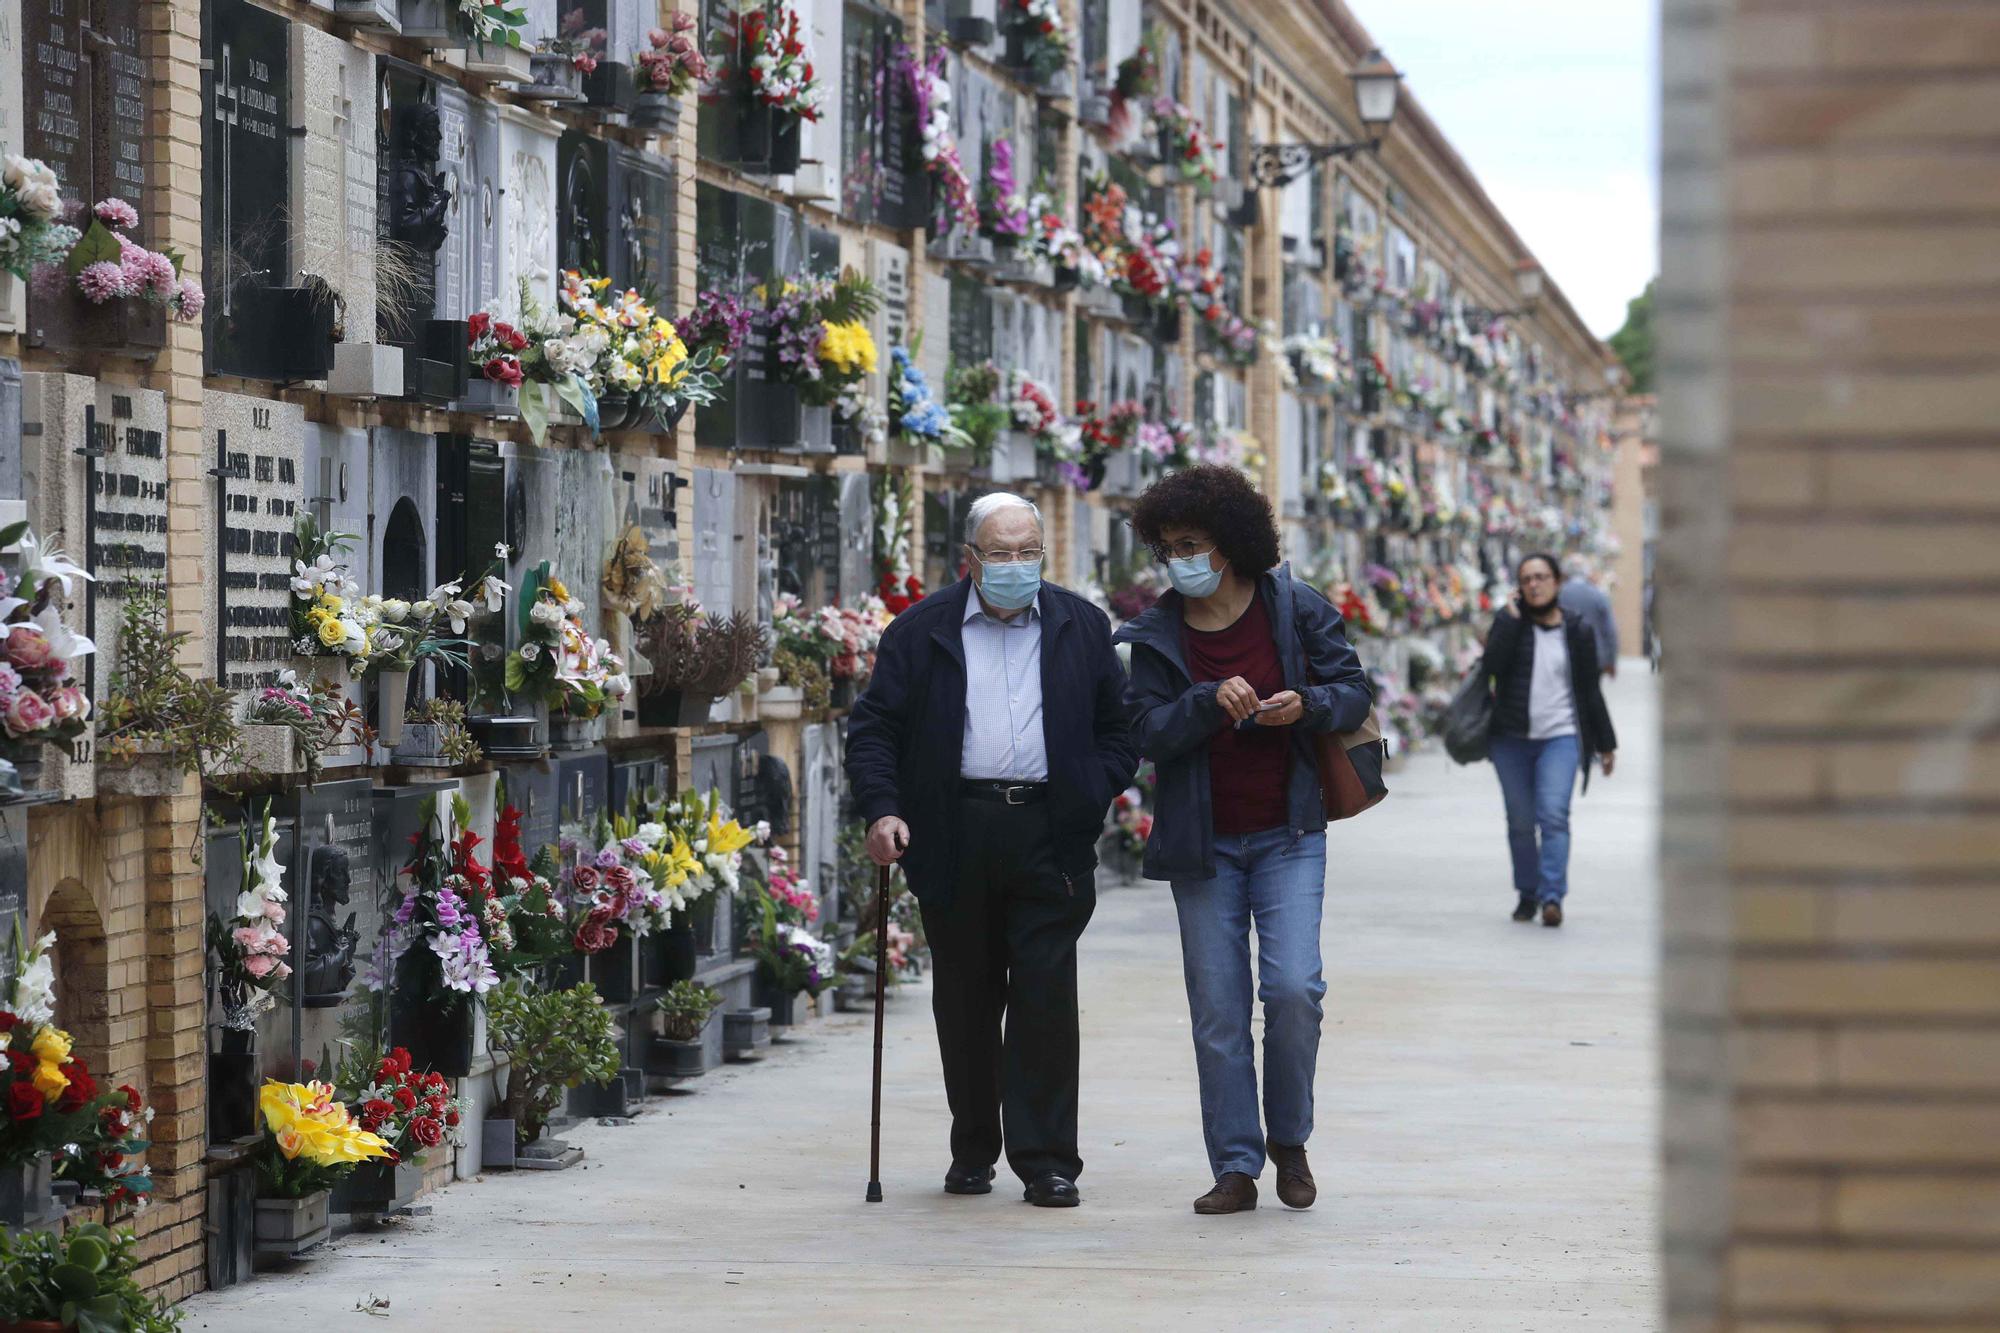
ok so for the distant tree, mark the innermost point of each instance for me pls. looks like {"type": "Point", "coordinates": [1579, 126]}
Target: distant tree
{"type": "Point", "coordinates": [1634, 342]}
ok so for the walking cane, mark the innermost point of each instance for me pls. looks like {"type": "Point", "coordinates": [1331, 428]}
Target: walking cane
{"type": "Point", "coordinates": [881, 983]}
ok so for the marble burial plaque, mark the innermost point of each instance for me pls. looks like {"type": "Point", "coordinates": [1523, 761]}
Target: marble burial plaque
{"type": "Point", "coordinates": [10, 429]}
{"type": "Point", "coordinates": [819, 781]}
{"type": "Point", "coordinates": [13, 889]}
{"type": "Point", "coordinates": [712, 766]}
{"type": "Point", "coordinates": [333, 174]}
{"type": "Point", "coordinates": [888, 267]}
{"type": "Point", "coordinates": [528, 209]}
{"type": "Point", "coordinates": [246, 224]}
{"type": "Point", "coordinates": [971, 323]}
{"type": "Point", "coordinates": [633, 779]}
{"type": "Point", "coordinates": [58, 423]}
{"type": "Point", "coordinates": [337, 910]}
{"type": "Point", "coordinates": [641, 241]}
{"type": "Point", "coordinates": [934, 357]}
{"type": "Point", "coordinates": [805, 537]}
{"type": "Point", "coordinates": [11, 308]}
{"type": "Point", "coordinates": [714, 505]}
{"type": "Point", "coordinates": [857, 538]}
{"type": "Point", "coordinates": [469, 157]}
{"type": "Point", "coordinates": [718, 263]}
{"type": "Point", "coordinates": [882, 176]}
{"type": "Point", "coordinates": [125, 513]}
{"type": "Point", "coordinates": [583, 169]}
{"type": "Point", "coordinates": [255, 445]}
{"type": "Point", "coordinates": [333, 486]}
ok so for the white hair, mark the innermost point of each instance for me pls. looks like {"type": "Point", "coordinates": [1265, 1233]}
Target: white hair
{"type": "Point", "coordinates": [986, 506]}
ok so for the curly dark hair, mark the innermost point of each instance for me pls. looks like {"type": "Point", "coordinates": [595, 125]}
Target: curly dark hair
{"type": "Point", "coordinates": [1219, 501]}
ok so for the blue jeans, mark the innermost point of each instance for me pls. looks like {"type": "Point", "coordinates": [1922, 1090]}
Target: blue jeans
{"type": "Point", "coordinates": [1276, 882]}
{"type": "Point", "coordinates": [1536, 778]}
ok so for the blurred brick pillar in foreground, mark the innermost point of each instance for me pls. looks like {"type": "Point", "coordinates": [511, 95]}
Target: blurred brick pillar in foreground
{"type": "Point", "coordinates": [1830, 603]}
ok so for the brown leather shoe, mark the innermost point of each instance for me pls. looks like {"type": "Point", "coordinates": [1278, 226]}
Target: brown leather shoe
{"type": "Point", "coordinates": [1552, 913]}
{"type": "Point", "coordinates": [1234, 1193]}
{"type": "Point", "coordinates": [1295, 1178]}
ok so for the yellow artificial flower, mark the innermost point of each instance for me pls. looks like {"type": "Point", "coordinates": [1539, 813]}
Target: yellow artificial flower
{"type": "Point", "coordinates": [53, 1045]}
{"type": "Point", "coordinates": [727, 836]}
{"type": "Point", "coordinates": [331, 633]}
{"type": "Point", "coordinates": [50, 1081]}
{"type": "Point", "coordinates": [331, 604]}
{"type": "Point", "coordinates": [307, 1122]}
{"type": "Point", "coordinates": [848, 347]}
{"type": "Point", "coordinates": [671, 867]}
{"type": "Point", "coordinates": [556, 589]}
{"type": "Point", "coordinates": [669, 354]}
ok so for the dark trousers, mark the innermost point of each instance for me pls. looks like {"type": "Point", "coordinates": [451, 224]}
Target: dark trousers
{"type": "Point", "coordinates": [1003, 951]}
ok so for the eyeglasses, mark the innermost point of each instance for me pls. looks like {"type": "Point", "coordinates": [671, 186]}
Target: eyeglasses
{"type": "Point", "coordinates": [1527, 579]}
{"type": "Point", "coordinates": [1184, 549]}
{"type": "Point", "coordinates": [1025, 557]}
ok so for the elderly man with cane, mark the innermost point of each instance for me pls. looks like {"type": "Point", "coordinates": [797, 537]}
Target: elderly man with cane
{"type": "Point", "coordinates": [984, 755]}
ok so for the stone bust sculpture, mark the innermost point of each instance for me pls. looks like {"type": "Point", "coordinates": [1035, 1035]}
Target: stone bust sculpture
{"type": "Point", "coordinates": [328, 964]}
{"type": "Point", "coordinates": [419, 198]}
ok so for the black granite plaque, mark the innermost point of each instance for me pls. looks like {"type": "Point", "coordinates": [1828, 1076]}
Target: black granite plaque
{"type": "Point", "coordinates": [531, 789]}
{"type": "Point", "coordinates": [246, 156]}
{"type": "Point", "coordinates": [413, 198]}
{"type": "Point", "coordinates": [635, 779]}
{"type": "Point", "coordinates": [641, 248]}
{"type": "Point", "coordinates": [583, 235]}
{"type": "Point", "coordinates": [718, 261]}
{"type": "Point", "coordinates": [971, 322]}
{"type": "Point", "coordinates": [125, 513]}
{"type": "Point", "coordinates": [13, 888]}
{"type": "Point", "coordinates": [583, 785]}
{"type": "Point", "coordinates": [713, 766]}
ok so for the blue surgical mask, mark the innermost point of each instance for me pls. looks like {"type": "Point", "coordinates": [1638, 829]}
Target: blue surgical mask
{"type": "Point", "coordinates": [1011, 586]}
{"type": "Point", "coordinates": [1192, 576]}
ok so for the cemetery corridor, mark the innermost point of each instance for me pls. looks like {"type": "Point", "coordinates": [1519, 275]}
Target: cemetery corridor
{"type": "Point", "coordinates": [1484, 1148]}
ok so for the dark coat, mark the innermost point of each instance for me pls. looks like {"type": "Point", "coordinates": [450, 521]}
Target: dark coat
{"type": "Point", "coordinates": [1176, 717]}
{"type": "Point", "coordinates": [1510, 665]}
{"type": "Point", "coordinates": [906, 737]}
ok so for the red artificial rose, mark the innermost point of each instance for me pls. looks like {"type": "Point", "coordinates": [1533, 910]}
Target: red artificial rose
{"type": "Point", "coordinates": [427, 1131]}
{"type": "Point", "coordinates": [24, 1102]}
{"type": "Point", "coordinates": [23, 1061]}
{"type": "Point", "coordinates": [133, 1102]}
{"type": "Point", "coordinates": [376, 1110]}
{"type": "Point", "coordinates": [503, 370]}
{"type": "Point", "coordinates": [405, 1099]}
{"type": "Point", "coordinates": [595, 933]}
{"type": "Point", "coordinates": [434, 1079]}
{"type": "Point", "coordinates": [7, 1021]}
{"type": "Point", "coordinates": [475, 327]}
{"type": "Point", "coordinates": [82, 1087]}
{"type": "Point", "coordinates": [510, 337]}
{"type": "Point", "coordinates": [585, 879]}
{"type": "Point", "coordinates": [451, 1117]}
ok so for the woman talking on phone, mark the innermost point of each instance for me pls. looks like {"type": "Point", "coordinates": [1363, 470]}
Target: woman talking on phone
{"type": "Point", "coordinates": [1231, 672]}
{"type": "Point", "coordinates": [1549, 720]}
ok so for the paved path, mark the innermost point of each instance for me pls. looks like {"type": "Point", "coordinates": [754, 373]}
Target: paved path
{"type": "Point", "coordinates": [1484, 1148]}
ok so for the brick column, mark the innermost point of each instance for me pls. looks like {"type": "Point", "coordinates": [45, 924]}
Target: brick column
{"type": "Point", "coordinates": [1830, 599]}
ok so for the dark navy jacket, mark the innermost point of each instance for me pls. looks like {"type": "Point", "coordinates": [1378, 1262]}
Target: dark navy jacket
{"type": "Point", "coordinates": [906, 737]}
{"type": "Point", "coordinates": [1176, 717]}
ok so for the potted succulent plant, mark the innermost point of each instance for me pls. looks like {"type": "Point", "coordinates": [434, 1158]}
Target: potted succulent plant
{"type": "Point", "coordinates": [435, 735]}
{"type": "Point", "coordinates": [82, 1279]}
{"type": "Point", "coordinates": [555, 1040]}
{"type": "Point", "coordinates": [696, 659]}
{"type": "Point", "coordinates": [158, 722]}
{"type": "Point", "coordinates": [690, 1015]}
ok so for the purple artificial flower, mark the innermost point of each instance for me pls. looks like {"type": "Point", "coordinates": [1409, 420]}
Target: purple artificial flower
{"type": "Point", "coordinates": [717, 320]}
{"type": "Point", "coordinates": [606, 859]}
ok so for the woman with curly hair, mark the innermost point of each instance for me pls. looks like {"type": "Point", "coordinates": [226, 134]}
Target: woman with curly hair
{"type": "Point", "coordinates": [1232, 671]}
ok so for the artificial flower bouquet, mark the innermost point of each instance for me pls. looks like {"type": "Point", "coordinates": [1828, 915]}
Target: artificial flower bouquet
{"type": "Point", "coordinates": [760, 52]}
{"type": "Point", "coordinates": [250, 946]}
{"type": "Point", "coordinates": [560, 662]}
{"type": "Point", "coordinates": [914, 411]}
{"type": "Point", "coordinates": [613, 889]}
{"type": "Point", "coordinates": [972, 395]}
{"type": "Point", "coordinates": [108, 1156]}
{"type": "Point", "coordinates": [410, 1110]}
{"type": "Point", "coordinates": [328, 618]}
{"type": "Point", "coordinates": [1003, 214]}
{"type": "Point", "coordinates": [1046, 44]}
{"type": "Point", "coordinates": [790, 958]}
{"type": "Point", "coordinates": [953, 205]}
{"type": "Point", "coordinates": [633, 350]}
{"type": "Point", "coordinates": [670, 62]}
{"type": "Point", "coordinates": [108, 265]}
{"type": "Point", "coordinates": [791, 894]}
{"type": "Point", "coordinates": [40, 699]}
{"type": "Point", "coordinates": [1185, 144]}
{"type": "Point", "coordinates": [717, 325]}
{"type": "Point", "coordinates": [1052, 238]}
{"type": "Point", "coordinates": [401, 634]}
{"type": "Point", "coordinates": [436, 945]}
{"type": "Point", "coordinates": [32, 231]}
{"type": "Point", "coordinates": [491, 22]}
{"type": "Point", "coordinates": [818, 333]}
{"type": "Point", "coordinates": [310, 1140]}
{"type": "Point", "coordinates": [527, 922]}
{"type": "Point", "coordinates": [48, 1099]}
{"type": "Point", "coordinates": [317, 712]}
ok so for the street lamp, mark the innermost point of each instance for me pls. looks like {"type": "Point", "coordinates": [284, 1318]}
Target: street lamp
{"type": "Point", "coordinates": [1376, 83]}
{"type": "Point", "coordinates": [1528, 278]}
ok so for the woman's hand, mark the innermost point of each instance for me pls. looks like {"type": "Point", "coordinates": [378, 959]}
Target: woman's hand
{"type": "Point", "coordinates": [1608, 758]}
{"type": "Point", "coordinates": [1514, 605]}
{"type": "Point", "coordinates": [1237, 698]}
{"type": "Point", "coordinates": [1281, 709]}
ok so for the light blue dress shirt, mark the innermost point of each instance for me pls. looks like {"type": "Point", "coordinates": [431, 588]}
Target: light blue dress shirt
{"type": "Point", "coordinates": [1003, 695]}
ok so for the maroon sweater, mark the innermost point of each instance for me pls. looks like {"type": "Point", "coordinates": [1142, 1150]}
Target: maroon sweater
{"type": "Point", "coordinates": [1246, 768]}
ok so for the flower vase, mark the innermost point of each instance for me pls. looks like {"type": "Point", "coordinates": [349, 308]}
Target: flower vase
{"type": "Point", "coordinates": [289, 1226]}
{"type": "Point", "coordinates": [611, 970]}
{"type": "Point", "coordinates": [25, 1197]}
{"type": "Point", "coordinates": [335, 670]}
{"type": "Point", "coordinates": [232, 1087]}
{"type": "Point", "coordinates": [437, 1036]}
{"type": "Point", "coordinates": [660, 111]}
{"type": "Point", "coordinates": [674, 708]}
{"type": "Point", "coordinates": [556, 79]}
{"type": "Point", "coordinates": [701, 925]}
{"type": "Point", "coordinates": [378, 1186]}
{"type": "Point", "coordinates": [574, 733]}
{"type": "Point", "coordinates": [392, 695]}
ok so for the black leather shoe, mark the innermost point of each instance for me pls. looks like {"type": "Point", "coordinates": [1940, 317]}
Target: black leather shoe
{"type": "Point", "coordinates": [1524, 910]}
{"type": "Point", "coordinates": [1052, 1191]}
{"type": "Point", "coordinates": [969, 1179]}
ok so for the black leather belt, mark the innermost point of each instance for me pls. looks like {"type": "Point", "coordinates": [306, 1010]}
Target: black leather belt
{"type": "Point", "coordinates": [1009, 793]}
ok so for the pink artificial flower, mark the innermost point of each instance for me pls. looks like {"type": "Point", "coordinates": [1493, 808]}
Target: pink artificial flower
{"type": "Point", "coordinates": [10, 680]}
{"type": "Point", "coordinates": [116, 213]}
{"type": "Point", "coordinates": [161, 279]}
{"type": "Point", "coordinates": [28, 647]}
{"type": "Point", "coordinates": [101, 281]}
{"type": "Point", "coordinates": [27, 713]}
{"type": "Point", "coordinates": [657, 38]}
{"type": "Point", "coordinates": [71, 702]}
{"type": "Point", "coordinates": [257, 965]}
{"type": "Point", "coordinates": [250, 939]}
{"type": "Point", "coordinates": [191, 301]}
{"type": "Point", "coordinates": [274, 911]}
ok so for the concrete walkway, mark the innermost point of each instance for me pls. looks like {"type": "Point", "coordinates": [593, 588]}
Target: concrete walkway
{"type": "Point", "coordinates": [1485, 1145]}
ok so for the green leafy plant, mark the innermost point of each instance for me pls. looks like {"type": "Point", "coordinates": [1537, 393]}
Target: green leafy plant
{"type": "Point", "coordinates": [809, 674]}
{"type": "Point", "coordinates": [455, 741]}
{"type": "Point", "coordinates": [154, 704]}
{"type": "Point", "coordinates": [82, 1280]}
{"type": "Point", "coordinates": [971, 394]}
{"type": "Point", "coordinates": [686, 1008]}
{"type": "Point", "coordinates": [557, 1040]}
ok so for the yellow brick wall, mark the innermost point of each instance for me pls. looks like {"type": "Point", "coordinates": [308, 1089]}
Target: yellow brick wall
{"type": "Point", "coordinates": [1832, 971]}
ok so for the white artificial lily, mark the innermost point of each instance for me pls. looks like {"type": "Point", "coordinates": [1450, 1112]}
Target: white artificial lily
{"type": "Point", "coordinates": [67, 645]}
{"type": "Point", "coordinates": [40, 564]}
{"type": "Point", "coordinates": [458, 612]}
{"type": "Point", "coordinates": [494, 592]}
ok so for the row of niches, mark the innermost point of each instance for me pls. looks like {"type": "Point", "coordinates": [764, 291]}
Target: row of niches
{"type": "Point", "coordinates": [317, 541]}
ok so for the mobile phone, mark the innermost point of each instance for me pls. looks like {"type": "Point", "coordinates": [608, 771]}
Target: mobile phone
{"type": "Point", "coordinates": [1269, 706]}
